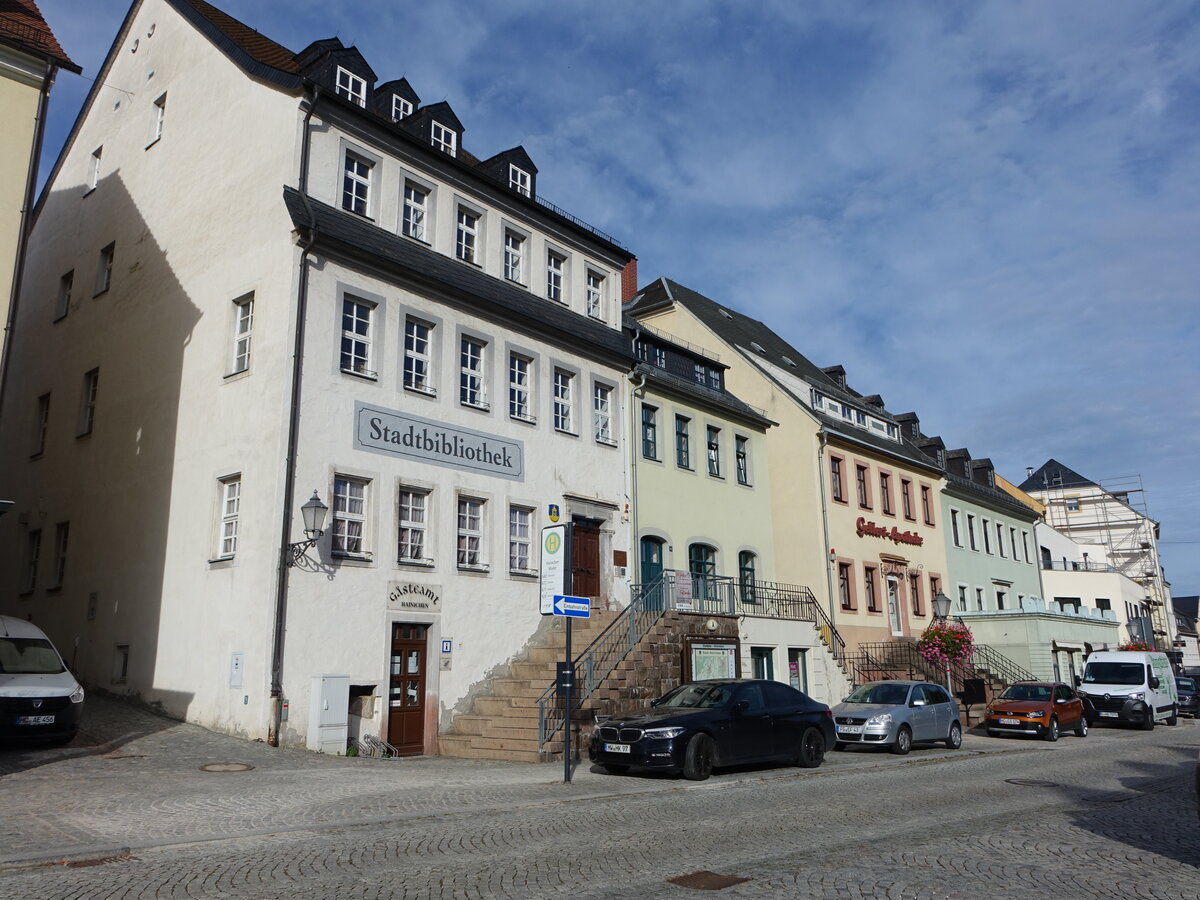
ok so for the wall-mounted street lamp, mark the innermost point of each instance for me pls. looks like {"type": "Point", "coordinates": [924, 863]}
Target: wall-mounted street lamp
{"type": "Point", "coordinates": [313, 512]}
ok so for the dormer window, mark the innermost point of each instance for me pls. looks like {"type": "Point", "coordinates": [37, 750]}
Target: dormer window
{"type": "Point", "coordinates": [444, 139]}
{"type": "Point", "coordinates": [518, 180]}
{"type": "Point", "coordinates": [351, 87]}
{"type": "Point", "coordinates": [400, 108]}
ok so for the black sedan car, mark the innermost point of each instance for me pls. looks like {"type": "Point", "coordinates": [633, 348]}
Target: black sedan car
{"type": "Point", "coordinates": [1189, 700]}
{"type": "Point", "coordinates": [723, 722]}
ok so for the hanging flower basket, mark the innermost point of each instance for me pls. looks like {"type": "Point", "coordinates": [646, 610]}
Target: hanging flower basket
{"type": "Point", "coordinates": [946, 643]}
{"type": "Point", "coordinates": [1137, 645]}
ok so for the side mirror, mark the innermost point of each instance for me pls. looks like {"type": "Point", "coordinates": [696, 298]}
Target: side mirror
{"type": "Point", "coordinates": [1059, 700]}
{"type": "Point", "coordinates": [1154, 682]}
{"type": "Point", "coordinates": [917, 703]}
{"type": "Point", "coordinates": [1077, 680]}
{"type": "Point", "coordinates": [654, 702]}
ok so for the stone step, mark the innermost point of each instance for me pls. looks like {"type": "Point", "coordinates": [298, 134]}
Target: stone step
{"type": "Point", "coordinates": [506, 707]}
{"type": "Point", "coordinates": [532, 671]}
{"type": "Point", "coordinates": [460, 748]}
{"type": "Point", "coordinates": [527, 734]}
{"type": "Point", "coordinates": [523, 689]}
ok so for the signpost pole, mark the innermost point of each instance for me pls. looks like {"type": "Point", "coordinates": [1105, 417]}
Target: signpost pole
{"type": "Point", "coordinates": [567, 718]}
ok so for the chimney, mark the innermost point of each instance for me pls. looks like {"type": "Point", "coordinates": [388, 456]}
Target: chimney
{"type": "Point", "coordinates": [1029, 471]}
{"type": "Point", "coordinates": [629, 286]}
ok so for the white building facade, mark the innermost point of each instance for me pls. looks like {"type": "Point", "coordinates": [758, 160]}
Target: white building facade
{"type": "Point", "coordinates": [350, 304]}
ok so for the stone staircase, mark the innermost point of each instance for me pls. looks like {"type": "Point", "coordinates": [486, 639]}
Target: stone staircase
{"type": "Point", "coordinates": [503, 724]}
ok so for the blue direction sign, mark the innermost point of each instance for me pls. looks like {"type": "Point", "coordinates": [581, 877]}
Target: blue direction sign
{"type": "Point", "coordinates": [575, 607]}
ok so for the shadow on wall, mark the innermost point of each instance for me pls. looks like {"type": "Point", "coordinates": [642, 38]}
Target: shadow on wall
{"type": "Point", "coordinates": [104, 488]}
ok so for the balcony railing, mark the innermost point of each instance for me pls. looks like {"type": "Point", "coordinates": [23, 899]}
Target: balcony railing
{"type": "Point", "coordinates": [1075, 565]}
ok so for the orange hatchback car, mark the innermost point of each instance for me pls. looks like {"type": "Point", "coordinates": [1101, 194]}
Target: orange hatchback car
{"type": "Point", "coordinates": [1040, 708]}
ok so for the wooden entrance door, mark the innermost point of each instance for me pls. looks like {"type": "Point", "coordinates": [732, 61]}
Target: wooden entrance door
{"type": "Point", "coordinates": [406, 690]}
{"type": "Point", "coordinates": [585, 558]}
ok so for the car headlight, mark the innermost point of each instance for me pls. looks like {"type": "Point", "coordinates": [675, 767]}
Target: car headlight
{"type": "Point", "coordinates": [1137, 695]}
{"type": "Point", "coordinates": [1036, 714]}
{"type": "Point", "coordinates": [880, 721]}
{"type": "Point", "coordinates": [672, 732]}
{"type": "Point", "coordinates": [77, 694]}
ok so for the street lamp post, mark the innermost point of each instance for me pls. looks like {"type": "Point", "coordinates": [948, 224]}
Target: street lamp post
{"type": "Point", "coordinates": [941, 611]}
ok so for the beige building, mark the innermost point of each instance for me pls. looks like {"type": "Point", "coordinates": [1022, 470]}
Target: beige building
{"type": "Point", "coordinates": [30, 58]}
{"type": "Point", "coordinates": [854, 505]}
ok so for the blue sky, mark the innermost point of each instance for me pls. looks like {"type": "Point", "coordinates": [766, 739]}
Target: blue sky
{"type": "Point", "coordinates": [988, 213]}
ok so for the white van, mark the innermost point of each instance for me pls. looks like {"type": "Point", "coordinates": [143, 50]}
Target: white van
{"type": "Point", "coordinates": [39, 698]}
{"type": "Point", "coordinates": [1130, 686]}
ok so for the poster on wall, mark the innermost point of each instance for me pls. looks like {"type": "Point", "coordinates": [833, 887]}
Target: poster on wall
{"type": "Point", "coordinates": [683, 591]}
{"type": "Point", "coordinates": [714, 661]}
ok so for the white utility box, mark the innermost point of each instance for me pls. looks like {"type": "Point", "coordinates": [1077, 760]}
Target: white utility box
{"type": "Point", "coordinates": [329, 713]}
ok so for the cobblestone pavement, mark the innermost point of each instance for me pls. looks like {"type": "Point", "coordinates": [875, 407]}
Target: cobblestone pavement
{"type": "Point", "coordinates": [1110, 815]}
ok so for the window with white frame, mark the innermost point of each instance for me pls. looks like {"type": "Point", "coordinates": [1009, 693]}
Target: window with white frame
{"type": "Point", "coordinates": [563, 401]}
{"type": "Point", "coordinates": [1000, 539]}
{"type": "Point", "coordinates": [471, 383]}
{"type": "Point", "coordinates": [243, 328]}
{"type": "Point", "coordinates": [158, 119]}
{"type": "Point", "coordinates": [467, 235]}
{"type": "Point", "coordinates": [87, 402]}
{"type": "Point", "coordinates": [349, 515]}
{"type": "Point", "coordinates": [444, 139]}
{"type": "Point", "coordinates": [41, 423]}
{"type": "Point", "coordinates": [519, 539]}
{"type": "Point", "coordinates": [602, 413]}
{"type": "Point", "coordinates": [985, 526]}
{"type": "Point", "coordinates": [954, 528]}
{"type": "Point", "coordinates": [417, 371]}
{"type": "Point", "coordinates": [33, 550]}
{"type": "Point", "coordinates": [356, 183]}
{"type": "Point", "coordinates": [401, 108]}
{"type": "Point", "coordinates": [683, 448]}
{"type": "Point", "coordinates": [514, 254]}
{"type": "Point", "coordinates": [412, 546]}
{"type": "Point", "coordinates": [971, 531]}
{"type": "Point", "coordinates": [62, 533]}
{"type": "Point", "coordinates": [104, 267]}
{"type": "Point", "coordinates": [519, 375]}
{"type": "Point", "coordinates": [595, 294]}
{"type": "Point", "coordinates": [93, 177]}
{"type": "Point", "coordinates": [556, 265]}
{"type": "Point", "coordinates": [518, 180]}
{"type": "Point", "coordinates": [962, 598]}
{"type": "Point", "coordinates": [356, 336]}
{"type": "Point", "coordinates": [351, 87]}
{"type": "Point", "coordinates": [416, 203]}
{"type": "Point", "coordinates": [470, 533]}
{"type": "Point", "coordinates": [62, 303]}
{"type": "Point", "coordinates": [230, 489]}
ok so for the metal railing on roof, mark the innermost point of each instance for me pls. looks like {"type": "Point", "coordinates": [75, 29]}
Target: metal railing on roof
{"type": "Point", "coordinates": [679, 342]}
{"type": "Point", "coordinates": [554, 208]}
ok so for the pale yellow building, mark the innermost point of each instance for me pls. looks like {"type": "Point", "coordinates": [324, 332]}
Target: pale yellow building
{"type": "Point", "coordinates": [30, 58]}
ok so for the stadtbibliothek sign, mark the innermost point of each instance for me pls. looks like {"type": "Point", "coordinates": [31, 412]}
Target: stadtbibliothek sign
{"type": "Point", "coordinates": [395, 433]}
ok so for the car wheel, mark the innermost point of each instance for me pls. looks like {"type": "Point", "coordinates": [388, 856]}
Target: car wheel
{"type": "Point", "coordinates": [954, 739]}
{"type": "Point", "coordinates": [1173, 719]}
{"type": "Point", "coordinates": [1050, 733]}
{"type": "Point", "coordinates": [903, 742]}
{"type": "Point", "coordinates": [615, 770]}
{"type": "Point", "coordinates": [1148, 720]}
{"type": "Point", "coordinates": [812, 749]}
{"type": "Point", "coordinates": [839, 746]}
{"type": "Point", "coordinates": [698, 760]}
{"type": "Point", "coordinates": [1081, 727]}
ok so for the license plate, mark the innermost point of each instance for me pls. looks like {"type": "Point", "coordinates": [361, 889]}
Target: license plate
{"type": "Point", "coordinates": [35, 720]}
{"type": "Point", "coordinates": [1110, 715]}
{"type": "Point", "coordinates": [616, 748]}
{"type": "Point", "coordinates": [849, 729]}
{"type": "Point", "coordinates": [1010, 721]}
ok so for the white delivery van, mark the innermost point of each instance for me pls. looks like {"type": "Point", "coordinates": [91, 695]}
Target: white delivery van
{"type": "Point", "coordinates": [1130, 686]}
{"type": "Point", "coordinates": [39, 698]}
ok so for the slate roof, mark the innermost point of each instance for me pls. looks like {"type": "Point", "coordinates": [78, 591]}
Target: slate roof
{"type": "Point", "coordinates": [705, 396]}
{"type": "Point", "coordinates": [22, 26]}
{"type": "Point", "coordinates": [1187, 608]}
{"type": "Point", "coordinates": [347, 236]}
{"type": "Point", "coordinates": [996, 497]}
{"type": "Point", "coordinates": [743, 331]}
{"type": "Point", "coordinates": [1047, 477]}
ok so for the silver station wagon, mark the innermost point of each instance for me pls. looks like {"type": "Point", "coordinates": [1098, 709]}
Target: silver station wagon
{"type": "Point", "coordinates": [897, 714]}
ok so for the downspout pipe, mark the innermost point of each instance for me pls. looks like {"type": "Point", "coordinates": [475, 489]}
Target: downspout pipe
{"type": "Point", "coordinates": [35, 155]}
{"type": "Point", "coordinates": [825, 526]}
{"type": "Point", "coordinates": [289, 478]}
{"type": "Point", "coordinates": [638, 380]}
